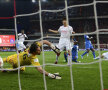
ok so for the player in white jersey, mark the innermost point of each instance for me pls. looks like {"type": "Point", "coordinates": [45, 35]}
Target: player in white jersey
{"type": "Point", "coordinates": [21, 38]}
{"type": "Point", "coordinates": [104, 55]}
{"type": "Point", "coordinates": [66, 31]}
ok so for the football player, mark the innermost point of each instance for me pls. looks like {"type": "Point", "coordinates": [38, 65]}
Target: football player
{"type": "Point", "coordinates": [28, 57]}
{"type": "Point", "coordinates": [66, 31]}
{"type": "Point", "coordinates": [88, 46]}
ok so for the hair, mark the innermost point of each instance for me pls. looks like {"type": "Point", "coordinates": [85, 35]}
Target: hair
{"type": "Point", "coordinates": [33, 47]}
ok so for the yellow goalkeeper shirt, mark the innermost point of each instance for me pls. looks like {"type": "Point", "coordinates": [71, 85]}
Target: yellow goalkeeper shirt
{"type": "Point", "coordinates": [24, 57]}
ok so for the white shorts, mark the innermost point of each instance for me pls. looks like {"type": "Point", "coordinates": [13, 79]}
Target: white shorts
{"type": "Point", "coordinates": [21, 46]}
{"type": "Point", "coordinates": [64, 42]}
{"type": "Point", "coordinates": [105, 55]}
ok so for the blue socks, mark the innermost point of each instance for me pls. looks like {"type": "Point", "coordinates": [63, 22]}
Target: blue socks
{"type": "Point", "coordinates": [65, 56]}
{"type": "Point", "coordinates": [84, 53]}
{"type": "Point", "coordinates": [94, 54]}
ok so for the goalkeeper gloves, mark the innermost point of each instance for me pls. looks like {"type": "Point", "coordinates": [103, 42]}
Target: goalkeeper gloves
{"type": "Point", "coordinates": [55, 49]}
{"type": "Point", "coordinates": [54, 76]}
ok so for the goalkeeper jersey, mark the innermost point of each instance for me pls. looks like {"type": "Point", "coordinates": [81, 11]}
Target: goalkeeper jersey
{"type": "Point", "coordinates": [25, 58]}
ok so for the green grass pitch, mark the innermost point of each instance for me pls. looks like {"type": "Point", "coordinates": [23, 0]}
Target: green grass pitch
{"type": "Point", "coordinates": [86, 77]}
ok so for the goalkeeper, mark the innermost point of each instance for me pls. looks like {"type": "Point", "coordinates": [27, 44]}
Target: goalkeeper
{"type": "Point", "coordinates": [28, 57]}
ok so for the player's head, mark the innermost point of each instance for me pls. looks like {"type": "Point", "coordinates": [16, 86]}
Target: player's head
{"type": "Point", "coordinates": [64, 21]}
{"type": "Point", "coordinates": [75, 42]}
{"type": "Point", "coordinates": [22, 31]}
{"type": "Point", "coordinates": [35, 49]}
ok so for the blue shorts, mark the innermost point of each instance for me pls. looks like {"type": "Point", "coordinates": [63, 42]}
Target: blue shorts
{"type": "Point", "coordinates": [88, 46]}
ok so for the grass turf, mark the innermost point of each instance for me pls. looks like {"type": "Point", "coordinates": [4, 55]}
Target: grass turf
{"type": "Point", "coordinates": [86, 77]}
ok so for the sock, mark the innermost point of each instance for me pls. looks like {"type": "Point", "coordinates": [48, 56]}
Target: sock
{"type": "Point", "coordinates": [65, 56]}
{"type": "Point", "coordinates": [84, 53]}
{"type": "Point", "coordinates": [57, 58]}
{"type": "Point", "coordinates": [87, 54]}
{"type": "Point", "coordinates": [69, 59]}
{"type": "Point", "coordinates": [94, 54]}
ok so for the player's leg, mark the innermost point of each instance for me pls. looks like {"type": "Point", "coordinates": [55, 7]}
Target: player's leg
{"type": "Point", "coordinates": [20, 47]}
{"type": "Point", "coordinates": [60, 46]}
{"type": "Point", "coordinates": [87, 54]}
{"type": "Point", "coordinates": [68, 48]}
{"type": "Point", "coordinates": [74, 58]}
{"type": "Point", "coordinates": [87, 46]}
{"type": "Point", "coordinates": [23, 46]}
{"type": "Point", "coordinates": [1, 62]}
{"type": "Point", "coordinates": [9, 59]}
{"type": "Point", "coordinates": [93, 51]}
{"type": "Point", "coordinates": [87, 51]}
{"type": "Point", "coordinates": [65, 56]}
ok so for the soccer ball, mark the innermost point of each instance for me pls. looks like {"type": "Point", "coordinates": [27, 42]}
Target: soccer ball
{"type": "Point", "coordinates": [1, 62]}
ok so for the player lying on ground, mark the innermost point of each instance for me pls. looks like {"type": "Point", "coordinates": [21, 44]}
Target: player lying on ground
{"type": "Point", "coordinates": [21, 38]}
{"type": "Point", "coordinates": [74, 52]}
{"type": "Point", "coordinates": [88, 46]}
{"type": "Point", "coordinates": [66, 31]}
{"type": "Point", "coordinates": [28, 57]}
{"type": "Point", "coordinates": [104, 55]}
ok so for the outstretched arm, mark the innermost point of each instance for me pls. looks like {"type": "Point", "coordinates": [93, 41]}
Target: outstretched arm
{"type": "Point", "coordinates": [54, 31]}
{"type": "Point", "coordinates": [53, 47]}
{"type": "Point", "coordinates": [42, 71]}
{"type": "Point", "coordinates": [45, 42]}
{"type": "Point", "coordinates": [90, 38]}
{"type": "Point", "coordinates": [53, 76]}
{"type": "Point", "coordinates": [73, 32]}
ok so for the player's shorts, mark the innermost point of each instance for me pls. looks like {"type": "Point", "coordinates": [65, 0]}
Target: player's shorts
{"type": "Point", "coordinates": [105, 55]}
{"type": "Point", "coordinates": [64, 42]}
{"type": "Point", "coordinates": [88, 46]}
{"type": "Point", "coordinates": [21, 46]}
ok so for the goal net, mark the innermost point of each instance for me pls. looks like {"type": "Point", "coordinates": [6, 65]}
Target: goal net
{"type": "Point", "coordinates": [86, 18]}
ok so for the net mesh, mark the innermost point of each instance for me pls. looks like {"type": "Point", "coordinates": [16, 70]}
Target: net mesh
{"type": "Point", "coordinates": [97, 33]}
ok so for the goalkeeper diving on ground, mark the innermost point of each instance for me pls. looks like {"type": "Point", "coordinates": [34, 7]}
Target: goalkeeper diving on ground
{"type": "Point", "coordinates": [28, 57]}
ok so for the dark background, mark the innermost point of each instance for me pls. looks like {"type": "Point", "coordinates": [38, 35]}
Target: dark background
{"type": "Point", "coordinates": [80, 18]}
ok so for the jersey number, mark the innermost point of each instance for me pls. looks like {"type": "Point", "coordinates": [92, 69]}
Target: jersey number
{"type": "Point", "coordinates": [25, 56]}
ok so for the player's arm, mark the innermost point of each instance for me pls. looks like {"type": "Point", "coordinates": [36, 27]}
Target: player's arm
{"type": "Point", "coordinates": [25, 36]}
{"type": "Point", "coordinates": [53, 31]}
{"type": "Point", "coordinates": [19, 35]}
{"type": "Point", "coordinates": [53, 76]}
{"type": "Point", "coordinates": [73, 32]}
{"type": "Point", "coordinates": [89, 38]}
{"type": "Point", "coordinates": [53, 47]}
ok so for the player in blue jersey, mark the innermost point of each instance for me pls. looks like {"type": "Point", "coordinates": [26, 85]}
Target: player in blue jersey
{"type": "Point", "coordinates": [75, 52]}
{"type": "Point", "coordinates": [88, 46]}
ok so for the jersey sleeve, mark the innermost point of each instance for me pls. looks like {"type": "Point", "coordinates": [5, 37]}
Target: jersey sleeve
{"type": "Point", "coordinates": [25, 36]}
{"type": "Point", "coordinates": [35, 62]}
{"type": "Point", "coordinates": [87, 37]}
{"type": "Point", "coordinates": [71, 30]}
{"type": "Point", "coordinates": [59, 30]}
{"type": "Point", "coordinates": [19, 34]}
